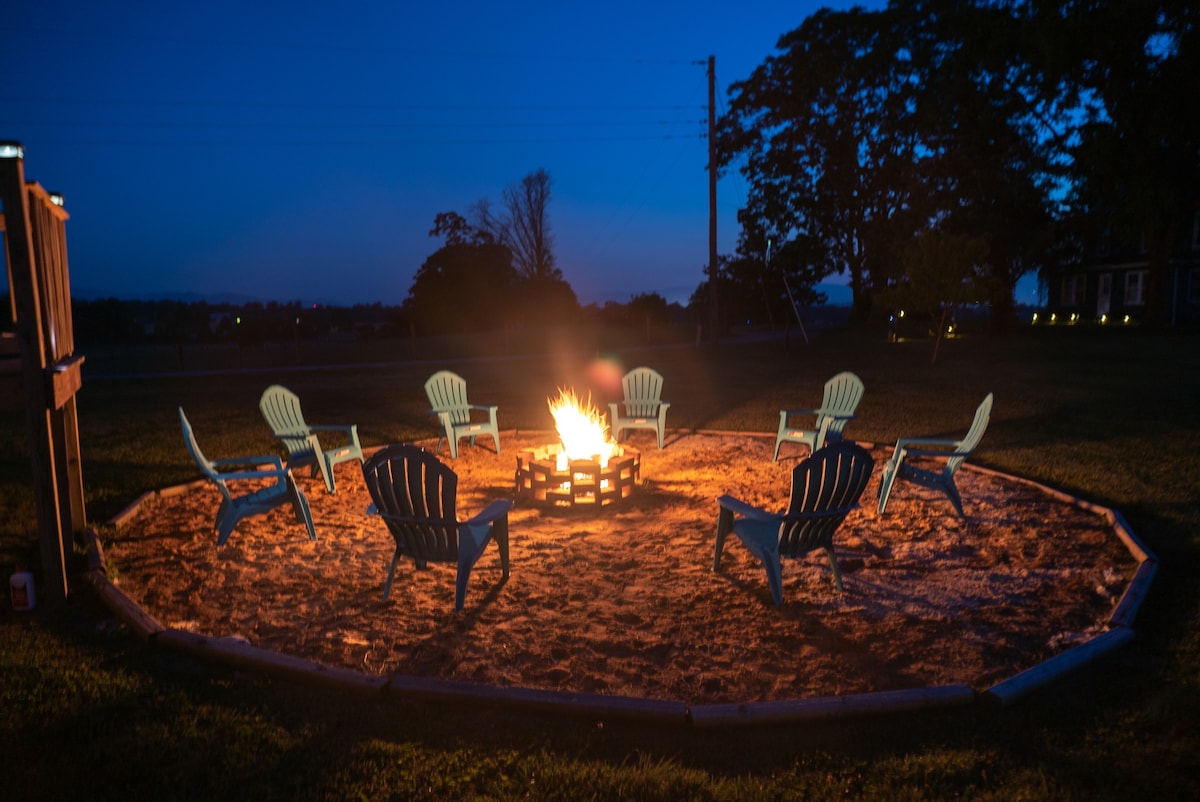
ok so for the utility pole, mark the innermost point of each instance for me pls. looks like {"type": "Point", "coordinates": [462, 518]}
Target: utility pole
{"type": "Point", "coordinates": [713, 270]}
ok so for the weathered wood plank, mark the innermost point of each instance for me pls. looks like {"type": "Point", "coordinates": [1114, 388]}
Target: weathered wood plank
{"type": "Point", "coordinates": [564, 702]}
{"type": "Point", "coordinates": [132, 615]}
{"type": "Point", "coordinates": [831, 707]}
{"type": "Point", "coordinates": [243, 655]}
{"type": "Point", "coordinates": [1131, 600]}
{"type": "Point", "coordinates": [1047, 671]}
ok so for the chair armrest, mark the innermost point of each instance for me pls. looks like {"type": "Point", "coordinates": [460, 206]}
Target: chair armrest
{"type": "Point", "coordinates": [274, 461]}
{"type": "Point", "coordinates": [491, 512]}
{"type": "Point", "coordinates": [349, 430]}
{"type": "Point", "coordinates": [928, 444]}
{"type": "Point", "coordinates": [926, 452]}
{"type": "Point", "coordinates": [236, 475]}
{"type": "Point", "coordinates": [799, 411]}
{"type": "Point", "coordinates": [484, 407]}
{"type": "Point", "coordinates": [745, 510]}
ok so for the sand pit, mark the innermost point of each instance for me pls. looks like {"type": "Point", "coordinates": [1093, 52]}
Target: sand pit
{"type": "Point", "coordinates": [623, 601]}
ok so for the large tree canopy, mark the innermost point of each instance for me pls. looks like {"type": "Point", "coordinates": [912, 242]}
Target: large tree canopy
{"type": "Point", "coordinates": [822, 128]}
{"type": "Point", "coordinates": [868, 130]}
{"type": "Point", "coordinates": [1133, 76]}
{"type": "Point", "coordinates": [466, 285]}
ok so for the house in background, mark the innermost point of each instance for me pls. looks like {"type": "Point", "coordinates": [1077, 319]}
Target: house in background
{"type": "Point", "coordinates": [1111, 287]}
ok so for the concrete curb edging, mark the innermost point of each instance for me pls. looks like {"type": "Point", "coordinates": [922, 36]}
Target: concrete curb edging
{"type": "Point", "coordinates": [238, 653]}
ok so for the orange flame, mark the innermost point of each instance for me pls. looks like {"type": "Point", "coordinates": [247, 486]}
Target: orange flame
{"type": "Point", "coordinates": [581, 428]}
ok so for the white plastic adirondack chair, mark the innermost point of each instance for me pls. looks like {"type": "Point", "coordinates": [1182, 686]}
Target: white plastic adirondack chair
{"type": "Point", "coordinates": [642, 407]}
{"type": "Point", "coordinates": [415, 494]}
{"type": "Point", "coordinates": [281, 409]}
{"type": "Point", "coordinates": [842, 394]}
{"type": "Point", "coordinates": [826, 487]}
{"type": "Point", "coordinates": [234, 508]}
{"type": "Point", "coordinates": [447, 394]}
{"type": "Point", "coordinates": [954, 452]}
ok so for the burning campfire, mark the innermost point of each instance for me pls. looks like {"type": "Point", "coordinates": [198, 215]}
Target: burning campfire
{"type": "Point", "coordinates": [586, 467]}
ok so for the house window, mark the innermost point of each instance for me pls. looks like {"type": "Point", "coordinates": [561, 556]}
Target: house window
{"type": "Point", "coordinates": [1072, 290]}
{"type": "Point", "coordinates": [1135, 282]}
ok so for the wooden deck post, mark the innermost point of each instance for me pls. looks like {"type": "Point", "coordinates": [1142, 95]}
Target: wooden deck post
{"type": "Point", "coordinates": [35, 240]}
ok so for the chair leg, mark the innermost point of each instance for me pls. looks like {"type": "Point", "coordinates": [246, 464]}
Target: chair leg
{"type": "Point", "coordinates": [387, 585]}
{"type": "Point", "coordinates": [951, 491]}
{"type": "Point", "coordinates": [225, 526]}
{"type": "Point", "coordinates": [833, 563]}
{"type": "Point", "coordinates": [322, 466]}
{"type": "Point", "coordinates": [500, 535]}
{"type": "Point", "coordinates": [885, 484]}
{"type": "Point", "coordinates": [300, 505]}
{"type": "Point", "coordinates": [460, 585]}
{"type": "Point", "coordinates": [774, 577]}
{"type": "Point", "coordinates": [724, 525]}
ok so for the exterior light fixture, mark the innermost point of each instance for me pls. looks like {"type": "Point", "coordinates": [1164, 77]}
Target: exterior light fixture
{"type": "Point", "coordinates": [57, 199]}
{"type": "Point", "coordinates": [11, 150]}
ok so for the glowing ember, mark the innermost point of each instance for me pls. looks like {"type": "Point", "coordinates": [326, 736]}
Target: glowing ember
{"type": "Point", "coordinates": [581, 428]}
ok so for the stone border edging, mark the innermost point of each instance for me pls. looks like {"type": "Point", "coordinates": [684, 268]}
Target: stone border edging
{"type": "Point", "coordinates": [239, 653]}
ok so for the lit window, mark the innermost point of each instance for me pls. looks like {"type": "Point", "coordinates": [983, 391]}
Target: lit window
{"type": "Point", "coordinates": [1135, 282]}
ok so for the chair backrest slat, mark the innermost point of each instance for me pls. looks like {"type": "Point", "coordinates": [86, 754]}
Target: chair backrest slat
{"type": "Point", "coordinates": [416, 495]}
{"type": "Point", "coordinates": [281, 407]}
{"type": "Point", "coordinates": [983, 414]}
{"type": "Point", "coordinates": [841, 396]}
{"type": "Point", "coordinates": [447, 392]}
{"type": "Point", "coordinates": [203, 463]}
{"type": "Point", "coordinates": [826, 487]}
{"type": "Point", "coordinates": [643, 391]}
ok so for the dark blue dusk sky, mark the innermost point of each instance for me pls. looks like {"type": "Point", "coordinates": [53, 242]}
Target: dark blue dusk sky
{"type": "Point", "coordinates": [299, 151]}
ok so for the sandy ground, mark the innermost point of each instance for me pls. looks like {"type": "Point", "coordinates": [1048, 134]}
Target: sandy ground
{"type": "Point", "coordinates": [623, 600]}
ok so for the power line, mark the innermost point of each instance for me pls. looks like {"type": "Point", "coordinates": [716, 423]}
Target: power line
{"type": "Point", "coordinates": [211, 104]}
{"type": "Point", "coordinates": [276, 143]}
{"type": "Point", "coordinates": [355, 125]}
{"type": "Point", "coordinates": [358, 49]}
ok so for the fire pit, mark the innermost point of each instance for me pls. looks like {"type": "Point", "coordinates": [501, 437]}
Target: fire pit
{"type": "Point", "coordinates": [587, 468]}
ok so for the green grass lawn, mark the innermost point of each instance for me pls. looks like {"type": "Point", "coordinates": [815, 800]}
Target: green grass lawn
{"type": "Point", "coordinates": [88, 711]}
